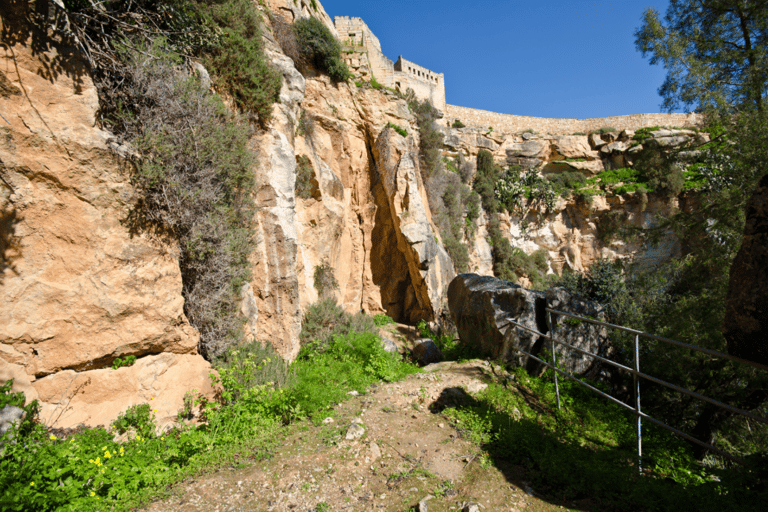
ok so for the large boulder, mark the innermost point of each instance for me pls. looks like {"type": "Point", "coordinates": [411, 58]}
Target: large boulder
{"type": "Point", "coordinates": [584, 335]}
{"type": "Point", "coordinates": [746, 317]}
{"type": "Point", "coordinates": [484, 309]}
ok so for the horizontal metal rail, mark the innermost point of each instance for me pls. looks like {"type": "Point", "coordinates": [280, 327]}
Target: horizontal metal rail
{"type": "Point", "coordinates": [703, 350]}
{"type": "Point", "coordinates": [636, 373]}
{"type": "Point", "coordinates": [649, 377]}
{"type": "Point", "coordinates": [630, 408]}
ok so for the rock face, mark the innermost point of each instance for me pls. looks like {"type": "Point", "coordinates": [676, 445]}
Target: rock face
{"type": "Point", "coordinates": [484, 309]}
{"type": "Point", "coordinates": [78, 286]}
{"type": "Point", "coordinates": [584, 335]}
{"type": "Point", "coordinates": [367, 216]}
{"type": "Point", "coordinates": [746, 316]}
{"type": "Point", "coordinates": [574, 233]}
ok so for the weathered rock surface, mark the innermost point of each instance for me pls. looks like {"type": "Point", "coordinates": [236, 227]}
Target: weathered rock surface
{"type": "Point", "coordinates": [483, 309]}
{"type": "Point", "coordinates": [367, 217]}
{"type": "Point", "coordinates": [80, 286]}
{"type": "Point", "coordinates": [97, 397]}
{"type": "Point", "coordinates": [573, 233]}
{"type": "Point", "coordinates": [745, 326]}
{"type": "Point", "coordinates": [502, 319]}
{"type": "Point", "coordinates": [584, 335]}
{"type": "Point", "coordinates": [10, 416]}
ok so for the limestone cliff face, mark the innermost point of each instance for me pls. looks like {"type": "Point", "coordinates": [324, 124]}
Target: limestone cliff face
{"type": "Point", "coordinates": [367, 216]}
{"type": "Point", "coordinates": [571, 233]}
{"type": "Point", "coordinates": [78, 288]}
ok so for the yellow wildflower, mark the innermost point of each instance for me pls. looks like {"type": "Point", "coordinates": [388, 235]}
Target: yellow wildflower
{"type": "Point", "coordinates": [52, 437]}
{"type": "Point", "coordinates": [31, 484]}
{"type": "Point", "coordinates": [107, 455]}
{"type": "Point", "coordinates": [93, 493]}
{"type": "Point", "coordinates": [104, 448]}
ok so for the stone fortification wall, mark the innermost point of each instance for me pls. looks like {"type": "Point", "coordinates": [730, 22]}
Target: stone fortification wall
{"type": "Point", "coordinates": [424, 82]}
{"type": "Point", "coordinates": [513, 124]}
{"type": "Point", "coordinates": [362, 52]}
{"type": "Point", "coordinates": [366, 50]}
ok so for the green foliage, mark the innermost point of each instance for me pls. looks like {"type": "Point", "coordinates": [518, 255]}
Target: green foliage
{"type": "Point", "coordinates": [515, 189]}
{"type": "Point", "coordinates": [662, 173]}
{"type": "Point", "coordinates": [446, 194]}
{"type": "Point", "coordinates": [458, 124]}
{"type": "Point", "coordinates": [586, 450]}
{"type": "Point", "coordinates": [29, 419]}
{"type": "Point", "coordinates": [89, 471]}
{"type": "Point", "coordinates": [376, 85]}
{"type": "Point", "coordinates": [246, 372]}
{"type": "Point", "coordinates": [431, 139]}
{"type": "Point", "coordinates": [498, 190]}
{"type": "Point", "coordinates": [325, 319]}
{"type": "Point", "coordinates": [452, 348]}
{"type": "Point", "coordinates": [138, 418]}
{"type": "Point", "coordinates": [237, 58]}
{"type": "Point", "coordinates": [120, 362]}
{"type": "Point", "coordinates": [350, 362]}
{"type": "Point", "coordinates": [644, 134]}
{"type": "Point", "coordinates": [715, 53]}
{"type": "Point", "coordinates": [605, 129]}
{"type": "Point", "coordinates": [567, 182]}
{"type": "Point", "coordinates": [321, 48]}
{"type": "Point", "coordinates": [381, 320]}
{"type": "Point", "coordinates": [324, 280]}
{"type": "Point", "coordinates": [398, 129]}
{"type": "Point", "coordinates": [624, 181]}
{"type": "Point", "coordinates": [196, 181]}
{"type": "Point", "coordinates": [485, 181]}
{"type": "Point", "coordinates": [304, 177]}
{"type": "Point", "coordinates": [306, 126]}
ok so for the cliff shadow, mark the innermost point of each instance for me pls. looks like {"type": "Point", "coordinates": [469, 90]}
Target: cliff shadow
{"type": "Point", "coordinates": [44, 28]}
{"type": "Point", "coordinates": [389, 268]}
{"type": "Point", "coordinates": [539, 451]}
{"type": "Point", "coordinates": [10, 249]}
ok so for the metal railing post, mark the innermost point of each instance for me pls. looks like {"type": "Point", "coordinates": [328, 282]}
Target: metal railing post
{"type": "Point", "coordinates": [637, 406]}
{"type": "Point", "coordinates": [554, 356]}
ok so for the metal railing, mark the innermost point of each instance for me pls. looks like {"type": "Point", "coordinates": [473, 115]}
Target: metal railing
{"type": "Point", "coordinates": [636, 375]}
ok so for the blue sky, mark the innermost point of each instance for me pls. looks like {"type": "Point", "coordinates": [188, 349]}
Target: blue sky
{"type": "Point", "coordinates": [545, 58]}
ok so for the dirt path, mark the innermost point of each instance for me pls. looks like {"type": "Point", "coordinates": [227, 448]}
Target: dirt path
{"type": "Point", "coordinates": [404, 454]}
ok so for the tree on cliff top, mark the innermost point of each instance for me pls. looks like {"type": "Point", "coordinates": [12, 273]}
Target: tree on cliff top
{"type": "Point", "coordinates": [715, 53]}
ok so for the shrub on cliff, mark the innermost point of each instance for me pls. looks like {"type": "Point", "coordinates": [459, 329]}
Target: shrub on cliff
{"type": "Point", "coordinates": [237, 57]}
{"type": "Point", "coordinates": [196, 177]}
{"type": "Point", "coordinates": [223, 34]}
{"type": "Point", "coordinates": [321, 48]}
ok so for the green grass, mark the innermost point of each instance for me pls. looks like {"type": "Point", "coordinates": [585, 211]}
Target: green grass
{"type": "Point", "coordinates": [259, 393]}
{"type": "Point", "coordinates": [587, 451]}
{"type": "Point", "coordinates": [398, 129]}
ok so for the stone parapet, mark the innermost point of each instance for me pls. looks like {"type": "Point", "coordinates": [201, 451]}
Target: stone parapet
{"type": "Point", "coordinates": [514, 124]}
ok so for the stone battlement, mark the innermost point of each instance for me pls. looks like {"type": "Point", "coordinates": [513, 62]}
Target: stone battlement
{"type": "Point", "coordinates": [362, 52]}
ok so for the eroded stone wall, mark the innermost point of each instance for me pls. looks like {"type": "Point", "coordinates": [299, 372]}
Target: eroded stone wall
{"type": "Point", "coordinates": [514, 124]}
